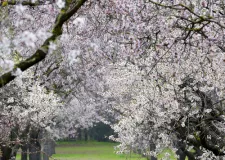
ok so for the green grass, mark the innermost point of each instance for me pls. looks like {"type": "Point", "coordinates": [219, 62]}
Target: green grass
{"type": "Point", "coordinates": [93, 150]}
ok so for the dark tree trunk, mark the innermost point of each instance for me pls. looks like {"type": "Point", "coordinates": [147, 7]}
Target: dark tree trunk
{"type": "Point", "coordinates": [45, 156]}
{"type": "Point", "coordinates": [24, 152]}
{"type": "Point", "coordinates": [53, 146]}
{"type": "Point", "coordinates": [181, 154]}
{"type": "Point", "coordinates": [79, 134]}
{"type": "Point", "coordinates": [24, 146]}
{"type": "Point", "coordinates": [34, 151]}
{"type": "Point", "coordinates": [182, 147]}
{"type": "Point", "coordinates": [34, 146]}
{"type": "Point", "coordinates": [152, 148]}
{"type": "Point", "coordinates": [85, 135]}
{"type": "Point", "coordinates": [6, 152]}
{"type": "Point", "coordinates": [48, 149]}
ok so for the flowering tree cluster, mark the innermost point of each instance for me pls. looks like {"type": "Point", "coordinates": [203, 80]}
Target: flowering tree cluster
{"type": "Point", "coordinates": [35, 103]}
{"type": "Point", "coordinates": [27, 108]}
{"type": "Point", "coordinates": [152, 68]}
{"type": "Point", "coordinates": [172, 78]}
{"type": "Point", "coordinates": [165, 76]}
{"type": "Point", "coordinates": [30, 112]}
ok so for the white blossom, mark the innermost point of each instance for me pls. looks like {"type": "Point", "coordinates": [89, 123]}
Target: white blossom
{"type": "Point", "coordinates": [60, 3]}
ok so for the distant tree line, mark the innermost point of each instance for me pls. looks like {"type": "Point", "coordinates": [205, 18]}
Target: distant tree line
{"type": "Point", "coordinates": [99, 132]}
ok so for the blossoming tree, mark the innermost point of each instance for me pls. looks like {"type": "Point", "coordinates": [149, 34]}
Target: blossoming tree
{"type": "Point", "coordinates": [155, 66]}
{"type": "Point", "coordinates": [172, 76]}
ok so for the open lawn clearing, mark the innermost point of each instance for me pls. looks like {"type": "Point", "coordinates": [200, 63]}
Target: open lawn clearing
{"type": "Point", "coordinates": [90, 151]}
{"type": "Point", "coordinates": [93, 150]}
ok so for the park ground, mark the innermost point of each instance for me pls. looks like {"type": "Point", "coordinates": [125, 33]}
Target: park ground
{"type": "Point", "coordinates": [93, 150]}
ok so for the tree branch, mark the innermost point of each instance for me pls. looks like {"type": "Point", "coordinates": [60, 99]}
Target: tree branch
{"type": "Point", "coordinates": [41, 53]}
{"type": "Point", "coordinates": [26, 3]}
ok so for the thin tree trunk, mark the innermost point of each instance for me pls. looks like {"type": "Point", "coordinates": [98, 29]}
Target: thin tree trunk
{"type": "Point", "coordinates": [34, 151]}
{"type": "Point", "coordinates": [85, 134]}
{"type": "Point", "coordinates": [152, 148]}
{"type": "Point", "coordinates": [6, 153]}
{"type": "Point", "coordinates": [24, 152]}
{"type": "Point", "coordinates": [181, 154]}
{"type": "Point", "coordinates": [34, 146]}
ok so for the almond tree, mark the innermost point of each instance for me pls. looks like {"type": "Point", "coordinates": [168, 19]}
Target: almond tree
{"type": "Point", "coordinates": [176, 63]}
{"type": "Point", "coordinates": [157, 66]}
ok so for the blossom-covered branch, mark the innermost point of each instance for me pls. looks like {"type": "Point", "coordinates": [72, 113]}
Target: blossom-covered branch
{"type": "Point", "coordinates": [26, 2]}
{"type": "Point", "coordinates": [41, 53]}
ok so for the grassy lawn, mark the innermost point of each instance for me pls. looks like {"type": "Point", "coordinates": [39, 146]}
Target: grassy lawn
{"type": "Point", "coordinates": [90, 151]}
{"type": "Point", "coordinates": [94, 151]}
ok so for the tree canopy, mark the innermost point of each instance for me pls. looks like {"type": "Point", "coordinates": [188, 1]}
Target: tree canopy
{"type": "Point", "coordinates": [152, 69]}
